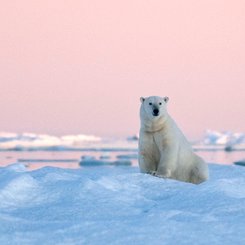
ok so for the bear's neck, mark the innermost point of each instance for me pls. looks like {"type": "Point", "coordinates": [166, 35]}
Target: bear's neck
{"type": "Point", "coordinates": [155, 125]}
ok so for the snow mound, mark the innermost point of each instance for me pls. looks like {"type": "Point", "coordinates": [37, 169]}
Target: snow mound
{"type": "Point", "coordinates": [119, 205]}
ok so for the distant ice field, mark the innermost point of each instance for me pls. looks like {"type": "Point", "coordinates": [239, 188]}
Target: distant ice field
{"type": "Point", "coordinates": [75, 151]}
{"type": "Point", "coordinates": [212, 141]}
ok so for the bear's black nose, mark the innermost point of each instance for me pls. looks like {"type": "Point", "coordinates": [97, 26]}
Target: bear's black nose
{"type": "Point", "coordinates": [155, 112]}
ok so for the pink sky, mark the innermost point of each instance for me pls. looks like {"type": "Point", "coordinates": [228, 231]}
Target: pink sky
{"type": "Point", "coordinates": [81, 66]}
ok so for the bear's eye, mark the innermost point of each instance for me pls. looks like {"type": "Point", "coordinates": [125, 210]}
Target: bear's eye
{"type": "Point", "coordinates": [160, 103]}
{"type": "Point", "coordinates": [150, 103]}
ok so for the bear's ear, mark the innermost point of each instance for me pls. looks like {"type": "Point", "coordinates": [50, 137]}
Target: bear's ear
{"type": "Point", "coordinates": [142, 99]}
{"type": "Point", "coordinates": [166, 99]}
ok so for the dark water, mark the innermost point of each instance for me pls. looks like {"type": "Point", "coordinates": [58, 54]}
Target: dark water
{"type": "Point", "coordinates": [71, 159]}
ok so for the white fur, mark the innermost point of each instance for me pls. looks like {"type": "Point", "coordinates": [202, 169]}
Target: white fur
{"type": "Point", "coordinates": [163, 149]}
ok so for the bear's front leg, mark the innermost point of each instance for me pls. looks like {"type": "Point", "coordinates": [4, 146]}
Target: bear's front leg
{"type": "Point", "coordinates": [147, 153]}
{"type": "Point", "coordinates": [146, 163]}
{"type": "Point", "coordinates": [165, 167]}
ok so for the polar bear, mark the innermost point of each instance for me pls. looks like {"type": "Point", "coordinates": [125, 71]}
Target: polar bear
{"type": "Point", "coordinates": [163, 149]}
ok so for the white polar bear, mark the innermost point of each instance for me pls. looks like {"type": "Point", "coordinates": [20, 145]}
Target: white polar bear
{"type": "Point", "coordinates": [163, 149]}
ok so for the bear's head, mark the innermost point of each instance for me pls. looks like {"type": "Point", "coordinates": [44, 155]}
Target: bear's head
{"type": "Point", "coordinates": [154, 106]}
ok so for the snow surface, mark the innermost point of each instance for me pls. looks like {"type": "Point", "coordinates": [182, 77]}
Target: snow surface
{"type": "Point", "coordinates": [119, 205]}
